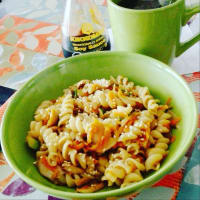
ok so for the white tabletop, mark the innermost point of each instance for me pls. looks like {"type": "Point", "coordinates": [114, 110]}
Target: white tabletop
{"type": "Point", "coordinates": [189, 61]}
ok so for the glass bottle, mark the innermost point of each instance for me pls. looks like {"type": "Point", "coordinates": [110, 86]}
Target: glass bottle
{"type": "Point", "coordinates": [83, 28]}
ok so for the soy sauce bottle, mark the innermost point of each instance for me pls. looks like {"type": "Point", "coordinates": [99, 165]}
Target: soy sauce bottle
{"type": "Point", "coordinates": [83, 28]}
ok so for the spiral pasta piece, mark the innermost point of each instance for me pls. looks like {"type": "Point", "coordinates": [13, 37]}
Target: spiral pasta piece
{"type": "Point", "coordinates": [140, 129]}
{"type": "Point", "coordinates": [163, 122]}
{"type": "Point", "coordinates": [79, 123]}
{"type": "Point", "coordinates": [95, 85]}
{"type": "Point", "coordinates": [35, 129]}
{"type": "Point", "coordinates": [66, 109]}
{"type": "Point", "coordinates": [42, 111]}
{"type": "Point", "coordinates": [149, 102]}
{"type": "Point", "coordinates": [156, 154]}
{"type": "Point", "coordinates": [123, 83]}
{"type": "Point", "coordinates": [50, 138]}
{"type": "Point", "coordinates": [121, 112]}
{"type": "Point", "coordinates": [120, 169]}
{"type": "Point", "coordinates": [132, 178]}
{"type": "Point", "coordinates": [106, 98]}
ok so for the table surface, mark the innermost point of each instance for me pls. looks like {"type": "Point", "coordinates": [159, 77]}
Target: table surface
{"type": "Point", "coordinates": [39, 21]}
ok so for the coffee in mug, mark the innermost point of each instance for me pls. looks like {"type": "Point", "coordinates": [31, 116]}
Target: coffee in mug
{"type": "Point", "coordinates": [140, 4]}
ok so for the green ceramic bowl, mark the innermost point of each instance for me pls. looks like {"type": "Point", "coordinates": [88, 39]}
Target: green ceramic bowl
{"type": "Point", "coordinates": [162, 81]}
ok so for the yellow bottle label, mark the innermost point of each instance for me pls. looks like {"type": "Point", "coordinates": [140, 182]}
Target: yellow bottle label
{"type": "Point", "coordinates": [87, 28]}
{"type": "Point", "coordinates": [89, 40]}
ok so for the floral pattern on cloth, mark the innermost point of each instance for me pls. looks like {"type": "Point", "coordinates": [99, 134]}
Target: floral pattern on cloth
{"type": "Point", "coordinates": [48, 10]}
{"type": "Point", "coordinates": [18, 188]}
{"type": "Point", "coordinates": [26, 47]}
{"type": "Point", "coordinates": [172, 186]}
{"type": "Point", "coordinates": [17, 65]}
{"type": "Point", "coordinates": [30, 34]}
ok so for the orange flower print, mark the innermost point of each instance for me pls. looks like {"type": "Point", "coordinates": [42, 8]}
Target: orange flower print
{"type": "Point", "coordinates": [2, 159]}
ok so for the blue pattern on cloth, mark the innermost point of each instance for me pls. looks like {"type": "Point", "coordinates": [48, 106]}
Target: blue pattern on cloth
{"type": "Point", "coordinates": [190, 187]}
{"type": "Point", "coordinates": [5, 93]}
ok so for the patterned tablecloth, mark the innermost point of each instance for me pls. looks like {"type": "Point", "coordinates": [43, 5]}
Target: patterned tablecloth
{"type": "Point", "coordinates": [29, 43]}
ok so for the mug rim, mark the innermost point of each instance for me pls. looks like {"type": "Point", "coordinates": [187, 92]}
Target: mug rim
{"type": "Point", "coordinates": [144, 10]}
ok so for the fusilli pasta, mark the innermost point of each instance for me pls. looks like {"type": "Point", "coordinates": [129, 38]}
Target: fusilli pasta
{"type": "Point", "coordinates": [100, 132]}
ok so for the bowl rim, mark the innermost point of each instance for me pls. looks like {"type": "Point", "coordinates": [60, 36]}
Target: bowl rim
{"type": "Point", "coordinates": [115, 192]}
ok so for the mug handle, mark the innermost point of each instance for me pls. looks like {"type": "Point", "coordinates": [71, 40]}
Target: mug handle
{"type": "Point", "coordinates": [189, 12]}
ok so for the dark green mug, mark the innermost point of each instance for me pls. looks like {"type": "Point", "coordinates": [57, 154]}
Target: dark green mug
{"type": "Point", "coordinates": [153, 32]}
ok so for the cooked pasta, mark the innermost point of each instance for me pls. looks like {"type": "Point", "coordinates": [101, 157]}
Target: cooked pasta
{"type": "Point", "coordinates": [100, 132]}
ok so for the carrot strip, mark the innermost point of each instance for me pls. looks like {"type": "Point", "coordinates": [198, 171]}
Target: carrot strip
{"type": "Point", "coordinates": [174, 121]}
{"type": "Point", "coordinates": [77, 146]}
{"type": "Point", "coordinates": [168, 101]}
{"type": "Point", "coordinates": [173, 138]}
{"type": "Point", "coordinates": [46, 164]}
{"type": "Point", "coordinates": [167, 125]}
